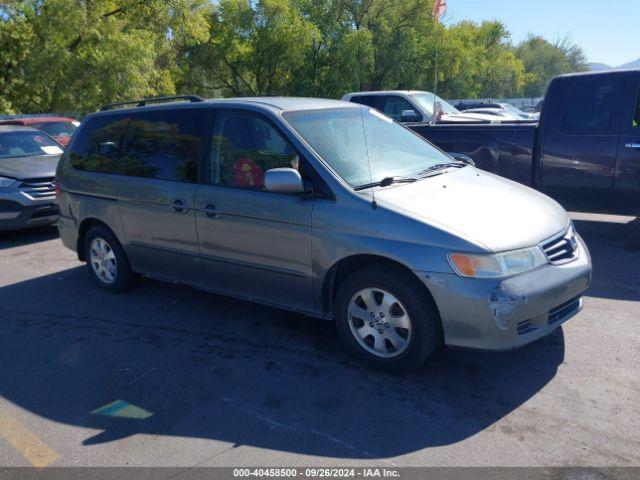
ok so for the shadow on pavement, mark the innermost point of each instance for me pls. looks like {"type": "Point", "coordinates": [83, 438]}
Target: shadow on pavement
{"type": "Point", "coordinates": [16, 238]}
{"type": "Point", "coordinates": [615, 253]}
{"type": "Point", "coordinates": [211, 367]}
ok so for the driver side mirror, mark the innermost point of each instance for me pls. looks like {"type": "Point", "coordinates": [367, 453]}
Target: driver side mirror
{"type": "Point", "coordinates": [461, 157]}
{"type": "Point", "coordinates": [410, 116]}
{"type": "Point", "coordinates": [283, 180]}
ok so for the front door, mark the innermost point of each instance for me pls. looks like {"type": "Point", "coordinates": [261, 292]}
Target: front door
{"type": "Point", "coordinates": [581, 143]}
{"type": "Point", "coordinates": [627, 181]}
{"type": "Point", "coordinates": [253, 243]}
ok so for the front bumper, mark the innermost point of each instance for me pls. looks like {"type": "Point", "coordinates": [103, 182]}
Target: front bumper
{"type": "Point", "coordinates": [18, 211]}
{"type": "Point", "coordinates": [509, 313]}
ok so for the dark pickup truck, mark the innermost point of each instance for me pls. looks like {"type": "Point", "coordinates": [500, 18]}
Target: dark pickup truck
{"type": "Point", "coordinates": [584, 151]}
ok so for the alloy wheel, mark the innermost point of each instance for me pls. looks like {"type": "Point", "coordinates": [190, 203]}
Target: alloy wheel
{"type": "Point", "coordinates": [103, 260]}
{"type": "Point", "coordinates": [379, 322]}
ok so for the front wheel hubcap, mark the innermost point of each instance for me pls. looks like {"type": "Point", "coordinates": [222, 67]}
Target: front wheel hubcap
{"type": "Point", "coordinates": [103, 260]}
{"type": "Point", "coordinates": [379, 322]}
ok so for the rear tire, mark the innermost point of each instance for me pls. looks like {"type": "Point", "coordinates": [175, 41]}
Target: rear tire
{"type": "Point", "coordinates": [106, 261]}
{"type": "Point", "coordinates": [401, 325]}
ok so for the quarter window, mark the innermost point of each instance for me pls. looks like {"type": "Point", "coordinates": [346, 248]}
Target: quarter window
{"type": "Point", "coordinates": [368, 100]}
{"type": "Point", "coordinates": [164, 145]}
{"type": "Point", "coordinates": [244, 147]}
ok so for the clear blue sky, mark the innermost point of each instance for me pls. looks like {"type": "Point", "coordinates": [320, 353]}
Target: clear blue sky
{"type": "Point", "coordinates": [607, 30]}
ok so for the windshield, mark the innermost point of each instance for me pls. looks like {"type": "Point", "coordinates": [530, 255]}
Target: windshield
{"type": "Point", "coordinates": [27, 143]}
{"type": "Point", "coordinates": [57, 129]}
{"type": "Point", "coordinates": [347, 138]}
{"type": "Point", "coordinates": [425, 100]}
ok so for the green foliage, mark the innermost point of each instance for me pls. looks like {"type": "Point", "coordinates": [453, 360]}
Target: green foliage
{"type": "Point", "coordinates": [253, 49]}
{"type": "Point", "coordinates": [75, 55]}
{"type": "Point", "coordinates": [543, 61]}
{"type": "Point", "coordinates": [478, 61]}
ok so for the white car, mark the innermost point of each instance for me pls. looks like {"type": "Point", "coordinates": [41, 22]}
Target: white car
{"type": "Point", "coordinates": [410, 106]}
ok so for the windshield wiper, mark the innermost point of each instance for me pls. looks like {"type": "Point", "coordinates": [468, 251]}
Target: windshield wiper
{"type": "Point", "coordinates": [385, 182]}
{"type": "Point", "coordinates": [441, 166]}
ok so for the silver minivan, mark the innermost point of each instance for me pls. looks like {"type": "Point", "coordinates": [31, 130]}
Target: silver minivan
{"type": "Point", "coordinates": [322, 207]}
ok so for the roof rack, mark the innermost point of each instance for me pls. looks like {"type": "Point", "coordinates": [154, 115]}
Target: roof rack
{"type": "Point", "coordinates": [146, 101]}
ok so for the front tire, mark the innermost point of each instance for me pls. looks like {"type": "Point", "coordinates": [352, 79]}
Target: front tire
{"type": "Point", "coordinates": [106, 261]}
{"type": "Point", "coordinates": [387, 319]}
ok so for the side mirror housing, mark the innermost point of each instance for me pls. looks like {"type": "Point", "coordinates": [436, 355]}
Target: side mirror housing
{"type": "Point", "coordinates": [410, 116]}
{"type": "Point", "coordinates": [283, 180]}
{"type": "Point", "coordinates": [461, 157]}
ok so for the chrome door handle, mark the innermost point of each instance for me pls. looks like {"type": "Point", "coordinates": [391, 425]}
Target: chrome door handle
{"type": "Point", "coordinates": [179, 205]}
{"type": "Point", "coordinates": [211, 211]}
{"type": "Point", "coordinates": [632, 145]}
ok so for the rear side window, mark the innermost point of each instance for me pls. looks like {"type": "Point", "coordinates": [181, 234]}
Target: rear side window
{"type": "Point", "coordinates": [368, 100]}
{"type": "Point", "coordinates": [394, 105]}
{"type": "Point", "coordinates": [166, 145]}
{"type": "Point", "coordinates": [591, 107]}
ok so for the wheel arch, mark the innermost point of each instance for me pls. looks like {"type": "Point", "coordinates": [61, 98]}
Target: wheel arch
{"type": "Point", "coordinates": [340, 270]}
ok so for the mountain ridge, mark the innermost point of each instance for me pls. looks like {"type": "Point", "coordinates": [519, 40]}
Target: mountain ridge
{"type": "Point", "coordinates": [594, 67]}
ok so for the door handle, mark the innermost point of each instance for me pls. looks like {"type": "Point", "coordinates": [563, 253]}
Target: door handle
{"type": "Point", "coordinates": [179, 205]}
{"type": "Point", "coordinates": [211, 211]}
{"type": "Point", "coordinates": [632, 145]}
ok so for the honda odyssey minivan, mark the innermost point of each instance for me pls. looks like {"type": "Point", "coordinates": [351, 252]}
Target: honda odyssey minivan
{"type": "Point", "coordinates": [322, 207]}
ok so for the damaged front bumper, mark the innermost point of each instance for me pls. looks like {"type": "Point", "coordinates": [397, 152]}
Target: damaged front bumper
{"type": "Point", "coordinates": [508, 313]}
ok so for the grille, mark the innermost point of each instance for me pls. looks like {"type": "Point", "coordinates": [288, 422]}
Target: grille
{"type": "Point", "coordinates": [563, 248]}
{"type": "Point", "coordinates": [39, 188]}
{"type": "Point", "coordinates": [562, 311]}
{"type": "Point", "coordinates": [526, 326]}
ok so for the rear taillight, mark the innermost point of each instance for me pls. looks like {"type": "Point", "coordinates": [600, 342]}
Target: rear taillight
{"type": "Point", "coordinates": [56, 185]}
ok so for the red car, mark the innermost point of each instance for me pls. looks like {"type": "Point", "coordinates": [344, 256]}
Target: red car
{"type": "Point", "coordinates": [60, 128]}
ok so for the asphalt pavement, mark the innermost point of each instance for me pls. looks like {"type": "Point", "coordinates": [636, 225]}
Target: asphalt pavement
{"type": "Point", "coordinates": [165, 375]}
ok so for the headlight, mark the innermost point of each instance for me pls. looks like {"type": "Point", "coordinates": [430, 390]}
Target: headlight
{"type": "Point", "coordinates": [6, 182]}
{"type": "Point", "coordinates": [497, 265]}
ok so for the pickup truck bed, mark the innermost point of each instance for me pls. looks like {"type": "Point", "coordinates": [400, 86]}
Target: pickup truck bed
{"type": "Point", "coordinates": [505, 150]}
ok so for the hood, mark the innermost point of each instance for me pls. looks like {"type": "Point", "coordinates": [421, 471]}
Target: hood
{"type": "Point", "coordinates": [22, 168]}
{"type": "Point", "coordinates": [490, 211]}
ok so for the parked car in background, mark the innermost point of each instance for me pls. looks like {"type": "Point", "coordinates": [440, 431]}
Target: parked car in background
{"type": "Point", "coordinates": [326, 208]}
{"type": "Point", "coordinates": [28, 161]}
{"type": "Point", "coordinates": [59, 128]}
{"type": "Point", "coordinates": [476, 106]}
{"type": "Point", "coordinates": [415, 106]}
{"type": "Point", "coordinates": [498, 113]}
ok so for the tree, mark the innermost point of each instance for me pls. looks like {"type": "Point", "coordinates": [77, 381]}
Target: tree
{"type": "Point", "coordinates": [253, 49]}
{"type": "Point", "coordinates": [75, 55]}
{"type": "Point", "coordinates": [339, 58]}
{"type": "Point", "coordinates": [82, 54]}
{"type": "Point", "coordinates": [478, 61]}
{"type": "Point", "coordinates": [16, 38]}
{"type": "Point", "coordinates": [544, 60]}
{"type": "Point", "coordinates": [401, 37]}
